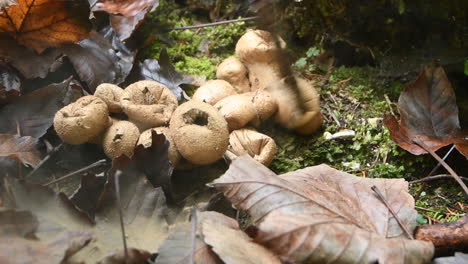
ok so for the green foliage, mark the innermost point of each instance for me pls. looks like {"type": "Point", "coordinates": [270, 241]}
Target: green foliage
{"type": "Point", "coordinates": [194, 51]}
{"type": "Point", "coordinates": [307, 62]}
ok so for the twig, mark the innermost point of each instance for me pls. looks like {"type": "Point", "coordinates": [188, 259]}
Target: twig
{"type": "Point", "coordinates": [416, 197]}
{"type": "Point", "coordinates": [193, 235]}
{"type": "Point", "coordinates": [119, 205]}
{"type": "Point", "coordinates": [443, 163]}
{"type": "Point", "coordinates": [436, 177]}
{"type": "Point", "coordinates": [382, 199]}
{"type": "Point", "coordinates": [44, 160]}
{"type": "Point", "coordinates": [389, 104]}
{"type": "Point", "coordinates": [216, 23]}
{"type": "Point", "coordinates": [91, 166]}
{"type": "Point", "coordinates": [333, 116]}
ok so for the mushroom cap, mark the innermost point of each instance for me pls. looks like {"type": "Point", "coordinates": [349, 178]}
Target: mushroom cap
{"type": "Point", "coordinates": [248, 141]}
{"type": "Point", "coordinates": [173, 154]}
{"type": "Point", "coordinates": [213, 91]}
{"type": "Point", "coordinates": [238, 110]}
{"type": "Point", "coordinates": [298, 105]}
{"type": "Point", "coordinates": [148, 103]}
{"type": "Point", "coordinates": [200, 132]}
{"type": "Point", "coordinates": [120, 139]}
{"type": "Point", "coordinates": [234, 72]}
{"type": "Point", "coordinates": [259, 46]}
{"type": "Point", "coordinates": [111, 95]}
{"type": "Point", "coordinates": [264, 103]}
{"type": "Point", "coordinates": [82, 120]}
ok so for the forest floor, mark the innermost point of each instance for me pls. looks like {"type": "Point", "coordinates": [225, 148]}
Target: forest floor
{"type": "Point", "coordinates": [353, 102]}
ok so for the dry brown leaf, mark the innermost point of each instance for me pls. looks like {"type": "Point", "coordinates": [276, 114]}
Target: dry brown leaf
{"type": "Point", "coordinates": [178, 246]}
{"type": "Point", "coordinates": [40, 24]}
{"type": "Point", "coordinates": [336, 201]}
{"type": "Point", "coordinates": [233, 246]}
{"type": "Point", "coordinates": [428, 113]}
{"type": "Point", "coordinates": [22, 149]}
{"type": "Point", "coordinates": [15, 247]}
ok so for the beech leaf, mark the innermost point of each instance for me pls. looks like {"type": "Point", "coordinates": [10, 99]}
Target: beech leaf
{"type": "Point", "coordinates": [428, 112]}
{"type": "Point", "coordinates": [40, 24]}
{"type": "Point", "coordinates": [17, 229]}
{"type": "Point", "coordinates": [337, 213]}
{"type": "Point", "coordinates": [34, 112]}
{"type": "Point", "coordinates": [22, 149]}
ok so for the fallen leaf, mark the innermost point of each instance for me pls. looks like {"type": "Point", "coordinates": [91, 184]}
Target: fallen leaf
{"type": "Point", "coordinates": [163, 72]}
{"type": "Point", "coordinates": [15, 229]}
{"type": "Point", "coordinates": [177, 248]}
{"type": "Point", "coordinates": [337, 214]}
{"type": "Point", "coordinates": [234, 246]}
{"type": "Point", "coordinates": [22, 149]}
{"type": "Point", "coordinates": [154, 162]}
{"type": "Point", "coordinates": [126, 16]}
{"type": "Point", "coordinates": [127, 8]}
{"type": "Point", "coordinates": [428, 112]}
{"type": "Point", "coordinates": [33, 113]}
{"type": "Point", "coordinates": [144, 210]}
{"type": "Point", "coordinates": [30, 64]}
{"type": "Point", "coordinates": [40, 24]}
{"type": "Point", "coordinates": [458, 258]}
{"type": "Point", "coordinates": [10, 85]}
{"type": "Point", "coordinates": [135, 256]}
{"type": "Point", "coordinates": [447, 238]}
{"type": "Point", "coordinates": [102, 58]}
{"type": "Point", "coordinates": [87, 195]}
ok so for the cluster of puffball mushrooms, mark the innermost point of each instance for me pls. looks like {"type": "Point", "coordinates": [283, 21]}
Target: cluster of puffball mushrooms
{"type": "Point", "coordinates": [256, 86]}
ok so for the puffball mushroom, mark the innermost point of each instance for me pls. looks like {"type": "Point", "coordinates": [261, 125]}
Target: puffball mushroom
{"type": "Point", "coordinates": [298, 105]}
{"type": "Point", "coordinates": [111, 94]}
{"type": "Point", "coordinates": [264, 56]}
{"type": "Point", "coordinates": [146, 140]}
{"type": "Point", "coordinates": [237, 109]}
{"type": "Point", "coordinates": [120, 139]}
{"type": "Point", "coordinates": [148, 104]}
{"type": "Point", "coordinates": [234, 72]}
{"type": "Point", "coordinates": [200, 132]}
{"type": "Point", "coordinates": [82, 120]}
{"type": "Point", "coordinates": [248, 141]}
{"type": "Point", "coordinates": [264, 103]}
{"type": "Point", "coordinates": [213, 91]}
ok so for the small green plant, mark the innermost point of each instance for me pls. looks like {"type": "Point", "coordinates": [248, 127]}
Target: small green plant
{"type": "Point", "coordinates": [466, 68]}
{"type": "Point", "coordinates": [307, 62]}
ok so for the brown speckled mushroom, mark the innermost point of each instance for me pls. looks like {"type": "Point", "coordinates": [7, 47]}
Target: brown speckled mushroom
{"type": "Point", "coordinates": [298, 105]}
{"type": "Point", "coordinates": [248, 141]}
{"type": "Point", "coordinates": [264, 56]}
{"type": "Point", "coordinates": [234, 72]}
{"type": "Point", "coordinates": [82, 120]}
{"type": "Point", "coordinates": [213, 91]}
{"type": "Point", "coordinates": [148, 104]}
{"type": "Point", "coordinates": [111, 94]}
{"type": "Point", "coordinates": [120, 139]}
{"type": "Point", "coordinates": [200, 132]}
{"type": "Point", "coordinates": [264, 103]}
{"type": "Point", "coordinates": [238, 110]}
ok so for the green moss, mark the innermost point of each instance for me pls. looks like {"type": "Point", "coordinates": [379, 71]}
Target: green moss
{"type": "Point", "coordinates": [193, 51]}
{"type": "Point", "coordinates": [197, 66]}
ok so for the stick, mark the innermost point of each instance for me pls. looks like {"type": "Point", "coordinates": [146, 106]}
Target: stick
{"type": "Point", "coordinates": [93, 165]}
{"type": "Point", "coordinates": [193, 235]}
{"type": "Point", "coordinates": [216, 23]}
{"type": "Point", "coordinates": [443, 163]}
{"type": "Point", "coordinates": [436, 177]}
{"type": "Point", "coordinates": [382, 199]}
{"type": "Point", "coordinates": [44, 160]}
{"type": "Point", "coordinates": [416, 197]}
{"type": "Point", "coordinates": [119, 205]}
